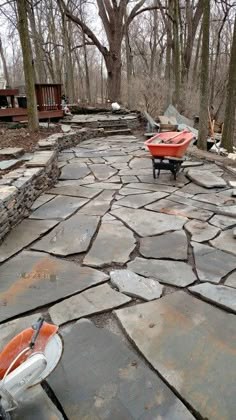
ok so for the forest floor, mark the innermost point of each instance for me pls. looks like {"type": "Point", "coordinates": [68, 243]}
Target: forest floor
{"type": "Point", "coordinates": [140, 274]}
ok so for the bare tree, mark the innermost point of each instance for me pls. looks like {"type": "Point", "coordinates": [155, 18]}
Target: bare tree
{"type": "Point", "coordinates": [4, 63]}
{"type": "Point", "coordinates": [33, 121]}
{"type": "Point", "coordinates": [204, 91]}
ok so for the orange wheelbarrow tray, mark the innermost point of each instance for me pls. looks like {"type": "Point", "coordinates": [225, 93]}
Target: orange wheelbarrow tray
{"type": "Point", "coordinates": [169, 144]}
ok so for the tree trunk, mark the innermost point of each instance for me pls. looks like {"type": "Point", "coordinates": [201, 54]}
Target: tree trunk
{"type": "Point", "coordinates": [204, 90]}
{"type": "Point", "coordinates": [129, 69]}
{"type": "Point", "coordinates": [39, 56]}
{"type": "Point", "coordinates": [229, 119]}
{"type": "Point", "coordinates": [4, 64]}
{"type": "Point", "coordinates": [33, 121]}
{"type": "Point", "coordinates": [87, 78]}
{"type": "Point", "coordinates": [113, 65]}
{"type": "Point", "coordinates": [176, 55]}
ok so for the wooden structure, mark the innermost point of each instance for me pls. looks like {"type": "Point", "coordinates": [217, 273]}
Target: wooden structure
{"type": "Point", "coordinates": [48, 101]}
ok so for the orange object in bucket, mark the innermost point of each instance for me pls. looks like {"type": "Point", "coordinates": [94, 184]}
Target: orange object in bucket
{"type": "Point", "coordinates": [171, 144]}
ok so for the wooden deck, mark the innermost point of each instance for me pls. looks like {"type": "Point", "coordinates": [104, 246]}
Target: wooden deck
{"type": "Point", "coordinates": [20, 114]}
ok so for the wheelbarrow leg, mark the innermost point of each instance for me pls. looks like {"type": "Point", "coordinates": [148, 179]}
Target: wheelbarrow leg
{"type": "Point", "coordinates": [153, 169]}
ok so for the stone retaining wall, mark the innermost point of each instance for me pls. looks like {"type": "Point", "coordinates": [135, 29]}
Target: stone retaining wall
{"type": "Point", "coordinates": [20, 187]}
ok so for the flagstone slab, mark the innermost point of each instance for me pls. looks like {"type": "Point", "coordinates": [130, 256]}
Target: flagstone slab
{"type": "Point", "coordinates": [7, 164]}
{"type": "Point", "coordinates": [72, 236]}
{"type": "Point", "coordinates": [8, 330]}
{"type": "Point", "coordinates": [113, 179]}
{"type": "Point", "coordinates": [100, 204]}
{"type": "Point", "coordinates": [225, 241]}
{"type": "Point", "coordinates": [212, 264]}
{"type": "Point", "coordinates": [126, 179]}
{"type": "Point", "coordinates": [141, 162]}
{"type": "Point", "coordinates": [42, 199]}
{"type": "Point", "coordinates": [206, 179]}
{"type": "Point", "coordinates": [194, 203]}
{"type": "Point", "coordinates": [140, 200]}
{"type": "Point", "coordinates": [175, 273]}
{"type": "Point", "coordinates": [116, 383]}
{"type": "Point", "coordinates": [34, 279]}
{"type": "Point", "coordinates": [201, 231]}
{"type": "Point", "coordinates": [223, 222]}
{"type": "Point", "coordinates": [227, 211]}
{"type": "Point", "coordinates": [92, 301]}
{"type": "Point", "coordinates": [12, 151]}
{"type": "Point", "coordinates": [75, 191]}
{"type": "Point", "coordinates": [220, 295]}
{"type": "Point", "coordinates": [136, 286]}
{"type": "Point", "coordinates": [104, 185]}
{"type": "Point", "coordinates": [216, 199]}
{"type": "Point", "coordinates": [74, 171]}
{"type": "Point", "coordinates": [231, 280]}
{"type": "Point", "coordinates": [173, 245]}
{"type": "Point", "coordinates": [113, 244]}
{"type": "Point", "coordinates": [187, 342]}
{"type": "Point", "coordinates": [102, 171]}
{"type": "Point", "coordinates": [120, 165]}
{"type": "Point", "coordinates": [37, 405]}
{"type": "Point", "coordinates": [59, 207]}
{"type": "Point", "coordinates": [152, 187]}
{"type": "Point", "coordinates": [23, 235]}
{"type": "Point", "coordinates": [132, 191]}
{"type": "Point", "coordinates": [164, 178]}
{"type": "Point", "coordinates": [167, 206]}
{"type": "Point", "coordinates": [146, 223]}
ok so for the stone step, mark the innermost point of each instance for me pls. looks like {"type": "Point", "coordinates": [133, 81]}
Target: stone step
{"type": "Point", "coordinates": [117, 132]}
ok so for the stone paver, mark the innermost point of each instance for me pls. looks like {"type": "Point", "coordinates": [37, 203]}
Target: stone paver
{"type": "Point", "coordinates": [175, 273]}
{"type": "Point", "coordinates": [132, 191]}
{"type": "Point", "coordinates": [7, 164]}
{"type": "Point", "coordinates": [74, 171]}
{"type": "Point", "coordinates": [231, 280]}
{"type": "Point", "coordinates": [170, 207]}
{"type": "Point", "coordinates": [212, 264]}
{"type": "Point", "coordinates": [70, 237]}
{"type": "Point", "coordinates": [99, 205]}
{"type": "Point", "coordinates": [134, 285]}
{"type": "Point", "coordinates": [201, 231]}
{"type": "Point", "coordinates": [222, 296]}
{"type": "Point", "coordinates": [217, 199]}
{"type": "Point", "coordinates": [113, 244]}
{"type": "Point", "coordinates": [223, 222]}
{"type": "Point", "coordinates": [187, 342]}
{"type": "Point", "coordinates": [75, 191]}
{"type": "Point", "coordinates": [97, 299]}
{"type": "Point", "coordinates": [104, 185]}
{"type": "Point", "coordinates": [152, 187]}
{"type": "Point", "coordinates": [116, 384]}
{"type": "Point", "coordinates": [12, 151]}
{"type": "Point", "coordinates": [173, 245]}
{"type": "Point", "coordinates": [23, 235]}
{"type": "Point", "coordinates": [206, 179]}
{"type": "Point", "coordinates": [34, 279]}
{"type": "Point", "coordinates": [42, 199]}
{"type": "Point", "coordinates": [102, 171]}
{"type": "Point", "coordinates": [225, 241]}
{"type": "Point", "coordinates": [146, 223]}
{"type": "Point", "coordinates": [59, 207]}
{"type": "Point", "coordinates": [139, 200]}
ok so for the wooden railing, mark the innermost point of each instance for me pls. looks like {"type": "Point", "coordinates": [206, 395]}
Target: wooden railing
{"type": "Point", "coordinates": [48, 96]}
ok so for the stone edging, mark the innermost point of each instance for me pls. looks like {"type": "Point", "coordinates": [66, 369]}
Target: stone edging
{"type": "Point", "coordinates": [20, 187]}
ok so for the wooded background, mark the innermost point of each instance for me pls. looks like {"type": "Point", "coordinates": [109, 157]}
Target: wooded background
{"type": "Point", "coordinates": [145, 53]}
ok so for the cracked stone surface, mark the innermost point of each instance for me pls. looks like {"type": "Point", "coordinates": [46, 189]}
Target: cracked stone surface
{"type": "Point", "coordinates": [70, 237]}
{"type": "Point", "coordinates": [102, 171]}
{"type": "Point", "coordinates": [175, 273]}
{"type": "Point", "coordinates": [146, 254]}
{"type": "Point", "coordinates": [134, 285]}
{"type": "Point", "coordinates": [117, 384]}
{"type": "Point", "coordinates": [34, 279]}
{"type": "Point", "coordinates": [231, 280]}
{"type": "Point", "coordinates": [172, 245]}
{"type": "Point", "coordinates": [92, 301]}
{"type": "Point", "coordinates": [206, 179]}
{"type": "Point", "coordinates": [225, 241]}
{"type": "Point", "coordinates": [146, 223]}
{"type": "Point", "coordinates": [201, 231]}
{"type": "Point", "coordinates": [113, 244]}
{"type": "Point", "coordinates": [170, 207]}
{"type": "Point", "coordinates": [139, 200]}
{"type": "Point", "coordinates": [59, 207]}
{"type": "Point", "coordinates": [168, 330]}
{"type": "Point", "coordinates": [212, 264]}
{"type": "Point", "coordinates": [23, 235]}
{"type": "Point", "coordinates": [74, 171]}
{"type": "Point", "coordinates": [75, 191]}
{"type": "Point", "coordinates": [222, 296]}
